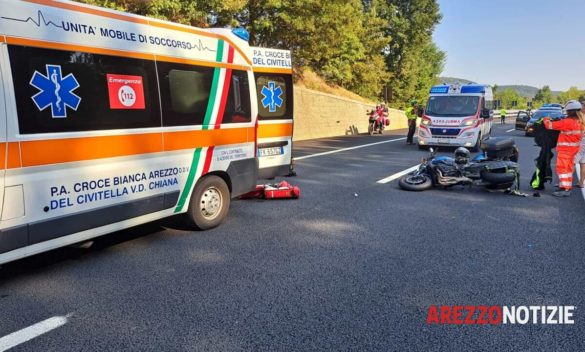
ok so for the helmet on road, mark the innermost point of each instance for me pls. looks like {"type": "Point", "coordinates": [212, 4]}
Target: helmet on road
{"type": "Point", "coordinates": [462, 155]}
{"type": "Point", "coordinates": [573, 105]}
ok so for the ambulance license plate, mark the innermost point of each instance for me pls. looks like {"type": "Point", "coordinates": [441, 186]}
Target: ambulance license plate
{"type": "Point", "coordinates": [270, 151]}
{"type": "Point", "coordinates": [443, 140]}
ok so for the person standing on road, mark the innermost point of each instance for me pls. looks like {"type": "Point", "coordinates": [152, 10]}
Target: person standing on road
{"type": "Point", "coordinates": [571, 132]}
{"type": "Point", "coordinates": [411, 116]}
{"type": "Point", "coordinates": [503, 114]}
{"type": "Point", "coordinates": [580, 158]}
{"type": "Point", "coordinates": [547, 141]}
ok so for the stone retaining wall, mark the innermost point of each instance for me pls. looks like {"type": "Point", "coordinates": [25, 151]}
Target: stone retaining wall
{"type": "Point", "coordinates": [320, 115]}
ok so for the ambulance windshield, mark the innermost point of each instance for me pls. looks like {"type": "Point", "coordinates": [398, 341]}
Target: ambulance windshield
{"type": "Point", "coordinates": [452, 106]}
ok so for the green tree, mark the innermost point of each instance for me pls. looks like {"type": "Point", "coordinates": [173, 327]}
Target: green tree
{"type": "Point", "coordinates": [410, 24]}
{"type": "Point", "coordinates": [543, 95]}
{"type": "Point", "coordinates": [340, 40]}
{"type": "Point", "coordinates": [430, 65]}
{"type": "Point", "coordinates": [199, 13]}
{"type": "Point", "coordinates": [508, 96]}
{"type": "Point", "coordinates": [359, 45]}
{"type": "Point", "coordinates": [572, 94]}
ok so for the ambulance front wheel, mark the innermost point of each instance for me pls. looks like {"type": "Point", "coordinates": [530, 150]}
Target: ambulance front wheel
{"type": "Point", "coordinates": [209, 204]}
{"type": "Point", "coordinates": [477, 145]}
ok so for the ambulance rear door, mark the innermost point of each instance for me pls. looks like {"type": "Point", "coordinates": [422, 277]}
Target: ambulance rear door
{"type": "Point", "coordinates": [274, 89]}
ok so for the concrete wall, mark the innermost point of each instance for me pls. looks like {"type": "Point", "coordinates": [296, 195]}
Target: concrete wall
{"type": "Point", "coordinates": [319, 115]}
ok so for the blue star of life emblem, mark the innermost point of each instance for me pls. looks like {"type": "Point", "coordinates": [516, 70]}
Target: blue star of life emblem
{"type": "Point", "coordinates": [55, 91]}
{"type": "Point", "coordinates": [272, 96]}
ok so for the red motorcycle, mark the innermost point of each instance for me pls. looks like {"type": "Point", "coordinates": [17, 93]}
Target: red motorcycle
{"type": "Point", "coordinates": [377, 122]}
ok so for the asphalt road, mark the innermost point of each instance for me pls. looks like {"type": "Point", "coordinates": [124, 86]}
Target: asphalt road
{"type": "Point", "coordinates": [352, 265]}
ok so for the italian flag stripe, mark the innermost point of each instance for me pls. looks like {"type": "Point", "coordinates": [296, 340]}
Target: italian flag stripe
{"type": "Point", "coordinates": [197, 169]}
{"type": "Point", "coordinates": [226, 89]}
{"type": "Point", "coordinates": [208, 160]}
{"type": "Point", "coordinates": [190, 178]}
{"type": "Point", "coordinates": [214, 86]}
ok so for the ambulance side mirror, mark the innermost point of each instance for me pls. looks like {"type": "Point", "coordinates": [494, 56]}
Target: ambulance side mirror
{"type": "Point", "coordinates": [485, 113]}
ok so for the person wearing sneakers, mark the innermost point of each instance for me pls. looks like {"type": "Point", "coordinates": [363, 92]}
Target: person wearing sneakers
{"type": "Point", "coordinates": [580, 158]}
{"type": "Point", "coordinates": [571, 132]}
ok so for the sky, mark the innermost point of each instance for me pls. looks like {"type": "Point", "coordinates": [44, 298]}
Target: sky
{"type": "Point", "coordinates": [531, 42]}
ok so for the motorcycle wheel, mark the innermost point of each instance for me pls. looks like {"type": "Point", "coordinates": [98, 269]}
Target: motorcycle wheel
{"type": "Point", "coordinates": [370, 129]}
{"type": "Point", "coordinates": [497, 178]}
{"type": "Point", "coordinates": [416, 183]}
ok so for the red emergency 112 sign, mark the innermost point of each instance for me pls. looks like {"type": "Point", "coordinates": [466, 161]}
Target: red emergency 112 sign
{"type": "Point", "coordinates": [126, 92]}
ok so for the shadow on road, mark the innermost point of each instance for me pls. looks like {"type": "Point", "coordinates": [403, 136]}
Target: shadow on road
{"type": "Point", "coordinates": [43, 261]}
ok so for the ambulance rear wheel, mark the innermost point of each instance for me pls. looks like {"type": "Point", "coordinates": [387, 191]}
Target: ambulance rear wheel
{"type": "Point", "coordinates": [209, 203]}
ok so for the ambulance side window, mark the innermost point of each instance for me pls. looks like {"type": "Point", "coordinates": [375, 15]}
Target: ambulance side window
{"type": "Point", "coordinates": [237, 108]}
{"type": "Point", "coordinates": [185, 92]}
{"type": "Point", "coordinates": [72, 91]}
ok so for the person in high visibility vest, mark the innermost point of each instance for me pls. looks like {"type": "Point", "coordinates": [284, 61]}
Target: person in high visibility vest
{"type": "Point", "coordinates": [411, 116]}
{"type": "Point", "coordinates": [571, 132]}
{"type": "Point", "coordinates": [503, 114]}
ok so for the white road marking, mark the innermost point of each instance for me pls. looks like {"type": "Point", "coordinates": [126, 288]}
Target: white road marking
{"type": "Point", "coordinates": [510, 130]}
{"type": "Point", "coordinates": [29, 333]}
{"type": "Point", "coordinates": [398, 175]}
{"type": "Point", "coordinates": [346, 149]}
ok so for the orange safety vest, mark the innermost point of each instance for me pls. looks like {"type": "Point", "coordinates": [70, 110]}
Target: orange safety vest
{"type": "Point", "coordinates": [570, 132]}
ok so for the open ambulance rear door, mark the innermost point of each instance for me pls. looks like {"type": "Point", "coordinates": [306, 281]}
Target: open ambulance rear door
{"type": "Point", "coordinates": [274, 87]}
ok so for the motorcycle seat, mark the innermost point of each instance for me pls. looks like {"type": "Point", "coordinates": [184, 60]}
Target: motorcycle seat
{"type": "Point", "coordinates": [496, 144]}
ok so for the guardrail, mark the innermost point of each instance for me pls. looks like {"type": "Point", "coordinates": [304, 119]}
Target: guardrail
{"type": "Point", "coordinates": [509, 114]}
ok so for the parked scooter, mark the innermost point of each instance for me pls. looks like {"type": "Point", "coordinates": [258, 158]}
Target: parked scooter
{"type": "Point", "coordinates": [495, 168]}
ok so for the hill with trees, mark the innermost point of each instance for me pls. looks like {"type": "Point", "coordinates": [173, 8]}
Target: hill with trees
{"type": "Point", "coordinates": [509, 94]}
{"type": "Point", "coordinates": [359, 45]}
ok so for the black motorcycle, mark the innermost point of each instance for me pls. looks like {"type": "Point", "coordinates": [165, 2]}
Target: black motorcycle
{"type": "Point", "coordinates": [495, 168]}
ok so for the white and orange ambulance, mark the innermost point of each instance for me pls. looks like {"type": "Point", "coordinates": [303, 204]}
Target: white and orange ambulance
{"type": "Point", "coordinates": [109, 120]}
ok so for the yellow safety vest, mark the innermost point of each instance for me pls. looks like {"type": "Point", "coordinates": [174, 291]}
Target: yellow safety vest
{"type": "Point", "coordinates": [410, 113]}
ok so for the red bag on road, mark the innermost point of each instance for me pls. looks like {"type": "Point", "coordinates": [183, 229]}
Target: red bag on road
{"type": "Point", "coordinates": [283, 190]}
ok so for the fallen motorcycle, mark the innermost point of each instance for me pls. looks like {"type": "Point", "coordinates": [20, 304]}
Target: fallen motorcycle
{"type": "Point", "coordinates": [495, 168]}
